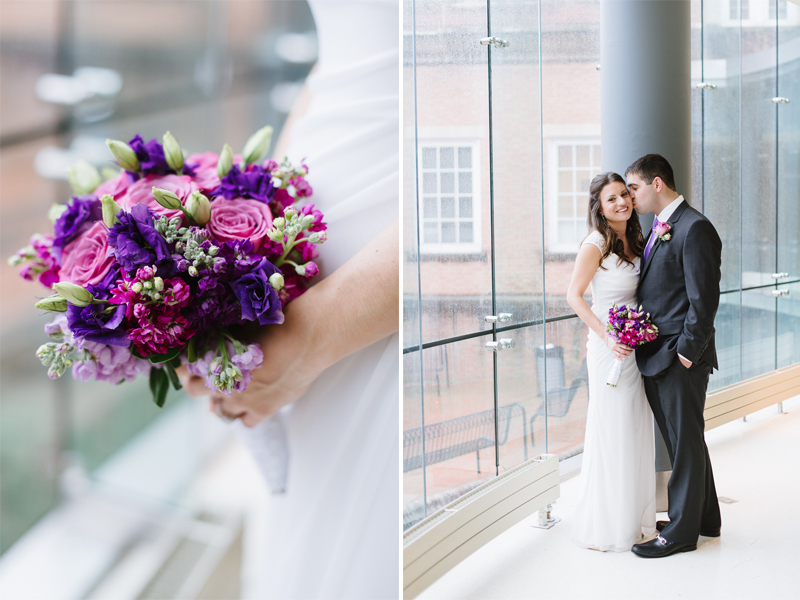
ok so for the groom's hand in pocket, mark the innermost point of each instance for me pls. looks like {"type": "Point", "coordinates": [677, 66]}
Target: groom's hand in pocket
{"type": "Point", "coordinates": [685, 362]}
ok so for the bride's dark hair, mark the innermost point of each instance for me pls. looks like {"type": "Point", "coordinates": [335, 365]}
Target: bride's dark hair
{"type": "Point", "coordinates": [597, 222]}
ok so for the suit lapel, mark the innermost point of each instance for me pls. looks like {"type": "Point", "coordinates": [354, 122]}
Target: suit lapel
{"type": "Point", "coordinates": [672, 220]}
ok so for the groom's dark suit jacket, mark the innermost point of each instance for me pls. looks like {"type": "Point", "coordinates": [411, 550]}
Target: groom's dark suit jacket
{"type": "Point", "coordinates": [679, 287]}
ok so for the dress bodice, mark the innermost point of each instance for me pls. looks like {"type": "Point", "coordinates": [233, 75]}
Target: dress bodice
{"type": "Point", "coordinates": [614, 283]}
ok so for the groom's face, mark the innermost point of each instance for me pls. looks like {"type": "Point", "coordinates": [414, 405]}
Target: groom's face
{"type": "Point", "coordinates": [642, 193]}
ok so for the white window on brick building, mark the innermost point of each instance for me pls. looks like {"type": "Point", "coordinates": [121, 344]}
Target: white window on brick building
{"type": "Point", "coordinates": [571, 166]}
{"type": "Point", "coordinates": [449, 196]}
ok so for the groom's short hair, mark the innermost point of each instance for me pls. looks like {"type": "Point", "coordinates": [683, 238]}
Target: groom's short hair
{"type": "Point", "coordinates": [651, 166]}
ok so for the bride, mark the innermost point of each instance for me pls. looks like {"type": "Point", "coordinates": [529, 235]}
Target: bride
{"type": "Point", "coordinates": [321, 414]}
{"type": "Point", "coordinates": [618, 472]}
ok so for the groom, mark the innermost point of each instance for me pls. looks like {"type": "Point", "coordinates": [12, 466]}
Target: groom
{"type": "Point", "coordinates": [679, 287]}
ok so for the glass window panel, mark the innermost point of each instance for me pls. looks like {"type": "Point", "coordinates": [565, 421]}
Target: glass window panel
{"type": "Point", "coordinates": [789, 146]}
{"type": "Point", "coordinates": [465, 233]}
{"type": "Point", "coordinates": [448, 232]}
{"type": "Point", "coordinates": [788, 338]}
{"type": "Point", "coordinates": [758, 332]}
{"type": "Point", "coordinates": [451, 81]}
{"type": "Point", "coordinates": [429, 208]}
{"type": "Point", "coordinates": [518, 379]}
{"type": "Point", "coordinates": [566, 206]}
{"type": "Point", "coordinates": [446, 158]}
{"type": "Point", "coordinates": [583, 208]}
{"type": "Point", "coordinates": [465, 158]}
{"type": "Point", "coordinates": [566, 232]}
{"type": "Point", "coordinates": [429, 158]}
{"type": "Point", "coordinates": [565, 156]}
{"type": "Point", "coordinates": [459, 419]}
{"type": "Point", "coordinates": [448, 208]}
{"type": "Point", "coordinates": [598, 157]}
{"type": "Point", "coordinates": [517, 160]}
{"type": "Point", "coordinates": [431, 233]}
{"type": "Point", "coordinates": [727, 341]}
{"type": "Point", "coordinates": [565, 182]}
{"type": "Point", "coordinates": [413, 486]}
{"type": "Point", "coordinates": [583, 179]}
{"type": "Point", "coordinates": [465, 207]}
{"type": "Point", "coordinates": [429, 183]}
{"type": "Point", "coordinates": [567, 387]}
{"type": "Point", "coordinates": [582, 156]}
{"type": "Point", "coordinates": [465, 183]}
{"type": "Point", "coordinates": [758, 161]}
{"type": "Point", "coordinates": [447, 182]}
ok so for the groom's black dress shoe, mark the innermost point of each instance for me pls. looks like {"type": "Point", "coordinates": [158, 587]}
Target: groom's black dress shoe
{"type": "Point", "coordinates": [660, 547]}
{"type": "Point", "coordinates": [712, 533]}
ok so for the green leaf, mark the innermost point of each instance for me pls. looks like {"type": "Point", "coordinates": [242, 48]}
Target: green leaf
{"type": "Point", "coordinates": [159, 385]}
{"type": "Point", "coordinates": [173, 376]}
{"type": "Point", "coordinates": [161, 358]}
{"type": "Point", "coordinates": [191, 350]}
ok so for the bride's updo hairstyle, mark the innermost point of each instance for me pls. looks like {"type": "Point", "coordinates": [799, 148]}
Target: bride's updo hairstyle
{"type": "Point", "coordinates": [597, 222]}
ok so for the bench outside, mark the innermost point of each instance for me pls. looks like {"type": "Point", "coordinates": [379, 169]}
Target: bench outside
{"type": "Point", "coordinates": [459, 436]}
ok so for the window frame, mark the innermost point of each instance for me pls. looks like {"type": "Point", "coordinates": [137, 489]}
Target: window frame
{"type": "Point", "coordinates": [553, 245]}
{"type": "Point", "coordinates": [456, 248]}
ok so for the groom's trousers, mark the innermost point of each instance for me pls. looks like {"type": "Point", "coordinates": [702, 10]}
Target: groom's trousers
{"type": "Point", "coordinates": [677, 396]}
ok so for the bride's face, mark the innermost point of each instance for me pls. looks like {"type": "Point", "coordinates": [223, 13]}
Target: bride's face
{"type": "Point", "coordinates": [615, 202]}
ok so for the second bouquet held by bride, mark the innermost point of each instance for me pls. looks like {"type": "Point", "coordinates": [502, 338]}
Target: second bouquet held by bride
{"type": "Point", "coordinates": [152, 267]}
{"type": "Point", "coordinates": [631, 327]}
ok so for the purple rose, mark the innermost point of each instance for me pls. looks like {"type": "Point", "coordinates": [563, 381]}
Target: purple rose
{"type": "Point", "coordinates": [136, 242]}
{"type": "Point", "coordinates": [80, 215]}
{"type": "Point", "coordinates": [254, 182]}
{"type": "Point", "coordinates": [258, 298]}
{"type": "Point", "coordinates": [101, 323]}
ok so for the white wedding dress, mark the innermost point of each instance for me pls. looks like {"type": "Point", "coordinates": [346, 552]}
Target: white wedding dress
{"type": "Point", "coordinates": [618, 470]}
{"type": "Point", "coordinates": [334, 532]}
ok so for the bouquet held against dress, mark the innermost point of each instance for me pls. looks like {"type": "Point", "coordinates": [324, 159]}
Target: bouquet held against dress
{"type": "Point", "coordinates": [631, 327]}
{"type": "Point", "coordinates": [152, 267]}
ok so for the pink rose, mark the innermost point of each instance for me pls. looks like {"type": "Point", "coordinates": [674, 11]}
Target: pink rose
{"type": "Point", "coordinates": [205, 170]}
{"type": "Point", "coordinates": [141, 192]}
{"type": "Point", "coordinates": [86, 258]}
{"type": "Point", "coordinates": [114, 187]}
{"type": "Point", "coordinates": [240, 219]}
{"type": "Point", "coordinates": [662, 228]}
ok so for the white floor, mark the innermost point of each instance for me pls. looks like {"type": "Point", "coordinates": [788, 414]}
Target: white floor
{"type": "Point", "coordinates": [756, 463]}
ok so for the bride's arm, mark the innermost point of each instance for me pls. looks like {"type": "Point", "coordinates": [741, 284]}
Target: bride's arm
{"type": "Point", "coordinates": [586, 264]}
{"type": "Point", "coordinates": [357, 305]}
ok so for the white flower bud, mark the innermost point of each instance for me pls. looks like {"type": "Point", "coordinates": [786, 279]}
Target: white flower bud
{"type": "Point", "coordinates": [257, 146]}
{"type": "Point", "coordinates": [279, 222]}
{"type": "Point", "coordinates": [289, 212]}
{"type": "Point", "coordinates": [126, 157]}
{"type": "Point", "coordinates": [166, 198]}
{"type": "Point", "coordinates": [199, 208]}
{"type": "Point", "coordinates": [172, 152]}
{"type": "Point", "coordinates": [55, 303]}
{"type": "Point", "coordinates": [306, 221]}
{"type": "Point", "coordinates": [74, 294]}
{"type": "Point", "coordinates": [110, 210]}
{"type": "Point", "coordinates": [83, 178]}
{"type": "Point", "coordinates": [193, 271]}
{"type": "Point", "coordinates": [225, 161]}
{"type": "Point", "coordinates": [276, 281]}
{"type": "Point", "coordinates": [159, 283]}
{"type": "Point", "coordinates": [300, 269]}
{"type": "Point", "coordinates": [137, 287]}
{"type": "Point", "coordinates": [276, 235]}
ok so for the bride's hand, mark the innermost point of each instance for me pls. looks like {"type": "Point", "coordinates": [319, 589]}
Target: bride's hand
{"type": "Point", "coordinates": [620, 351]}
{"type": "Point", "coordinates": [355, 306]}
{"type": "Point", "coordinates": [285, 374]}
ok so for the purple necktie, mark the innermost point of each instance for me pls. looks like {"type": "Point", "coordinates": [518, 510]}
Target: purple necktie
{"type": "Point", "coordinates": [651, 242]}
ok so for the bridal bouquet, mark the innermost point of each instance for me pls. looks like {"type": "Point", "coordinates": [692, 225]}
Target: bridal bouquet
{"type": "Point", "coordinates": [628, 326]}
{"type": "Point", "coordinates": [152, 266]}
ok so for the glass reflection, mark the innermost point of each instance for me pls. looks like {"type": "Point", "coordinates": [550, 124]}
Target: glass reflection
{"type": "Point", "coordinates": [758, 332]}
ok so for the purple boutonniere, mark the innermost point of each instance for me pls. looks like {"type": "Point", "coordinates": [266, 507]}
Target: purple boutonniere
{"type": "Point", "coordinates": [663, 231]}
